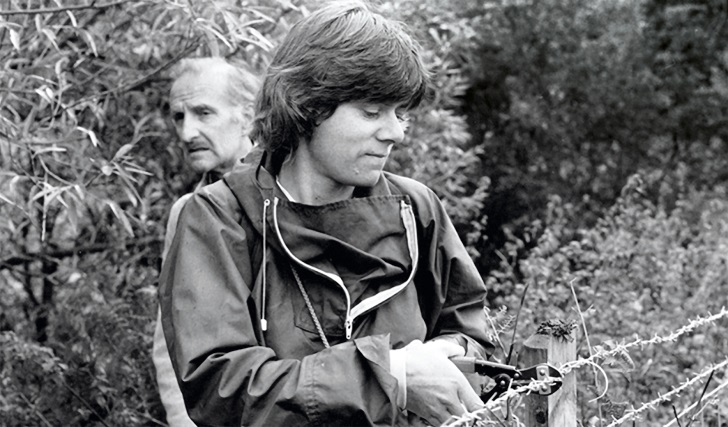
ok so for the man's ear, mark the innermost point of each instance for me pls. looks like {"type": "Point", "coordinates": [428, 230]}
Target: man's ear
{"type": "Point", "coordinates": [244, 115]}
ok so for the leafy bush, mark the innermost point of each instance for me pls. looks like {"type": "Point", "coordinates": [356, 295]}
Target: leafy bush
{"type": "Point", "coordinates": [642, 271]}
{"type": "Point", "coordinates": [90, 167]}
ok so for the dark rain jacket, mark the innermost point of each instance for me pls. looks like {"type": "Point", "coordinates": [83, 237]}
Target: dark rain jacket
{"type": "Point", "coordinates": [379, 270]}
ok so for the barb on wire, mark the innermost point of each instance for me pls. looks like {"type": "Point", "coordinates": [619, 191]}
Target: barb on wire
{"type": "Point", "coordinates": [468, 419]}
{"type": "Point", "coordinates": [639, 342]}
{"type": "Point", "coordinates": [667, 396]}
{"type": "Point", "coordinates": [715, 392]}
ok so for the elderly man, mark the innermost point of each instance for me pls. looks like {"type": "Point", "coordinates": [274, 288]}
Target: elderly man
{"type": "Point", "coordinates": [211, 106]}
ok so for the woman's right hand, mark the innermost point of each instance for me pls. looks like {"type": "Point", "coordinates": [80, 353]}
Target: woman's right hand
{"type": "Point", "coordinates": [436, 389]}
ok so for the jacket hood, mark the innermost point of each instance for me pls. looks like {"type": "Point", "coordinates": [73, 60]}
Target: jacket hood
{"type": "Point", "coordinates": [361, 240]}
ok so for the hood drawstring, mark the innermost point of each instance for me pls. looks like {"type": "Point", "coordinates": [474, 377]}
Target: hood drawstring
{"type": "Point", "coordinates": [263, 321]}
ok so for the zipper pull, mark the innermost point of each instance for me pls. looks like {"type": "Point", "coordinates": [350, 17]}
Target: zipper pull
{"type": "Point", "coordinates": [348, 325]}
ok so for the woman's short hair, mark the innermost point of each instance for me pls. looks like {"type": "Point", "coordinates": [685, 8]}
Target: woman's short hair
{"type": "Point", "coordinates": [341, 53]}
{"type": "Point", "coordinates": [242, 84]}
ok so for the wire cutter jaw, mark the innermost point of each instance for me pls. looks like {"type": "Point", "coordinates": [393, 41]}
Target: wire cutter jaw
{"type": "Point", "coordinates": [506, 376]}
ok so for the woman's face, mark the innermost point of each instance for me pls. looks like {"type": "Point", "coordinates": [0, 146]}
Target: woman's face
{"type": "Point", "coordinates": [351, 147]}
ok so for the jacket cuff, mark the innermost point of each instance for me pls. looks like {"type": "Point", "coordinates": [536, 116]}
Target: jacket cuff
{"type": "Point", "coordinates": [398, 369]}
{"type": "Point", "coordinates": [454, 338]}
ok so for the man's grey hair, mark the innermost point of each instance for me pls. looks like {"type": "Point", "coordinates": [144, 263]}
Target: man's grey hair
{"type": "Point", "coordinates": [242, 84]}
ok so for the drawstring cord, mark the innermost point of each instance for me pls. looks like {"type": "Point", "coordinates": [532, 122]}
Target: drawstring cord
{"type": "Point", "coordinates": [310, 307]}
{"type": "Point", "coordinates": [263, 321]}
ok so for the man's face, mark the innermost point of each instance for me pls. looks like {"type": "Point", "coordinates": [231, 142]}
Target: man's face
{"type": "Point", "coordinates": [351, 147]}
{"type": "Point", "coordinates": [208, 122]}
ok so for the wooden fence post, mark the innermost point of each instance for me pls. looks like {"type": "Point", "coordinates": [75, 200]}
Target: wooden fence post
{"type": "Point", "coordinates": [559, 409]}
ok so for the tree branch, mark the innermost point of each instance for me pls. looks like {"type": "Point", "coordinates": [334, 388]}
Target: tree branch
{"type": "Point", "coordinates": [35, 410]}
{"type": "Point", "coordinates": [64, 253]}
{"type": "Point", "coordinates": [136, 83]}
{"type": "Point", "coordinates": [78, 396]}
{"type": "Point", "coordinates": [93, 5]}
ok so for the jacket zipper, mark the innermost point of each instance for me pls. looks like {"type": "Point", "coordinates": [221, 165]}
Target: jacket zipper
{"type": "Point", "coordinates": [372, 302]}
{"type": "Point", "coordinates": [348, 322]}
{"type": "Point", "coordinates": [369, 304]}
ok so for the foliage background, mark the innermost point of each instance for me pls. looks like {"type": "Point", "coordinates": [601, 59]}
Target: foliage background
{"type": "Point", "coordinates": [575, 143]}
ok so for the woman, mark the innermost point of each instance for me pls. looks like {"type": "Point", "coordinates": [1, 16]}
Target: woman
{"type": "Point", "coordinates": [310, 287]}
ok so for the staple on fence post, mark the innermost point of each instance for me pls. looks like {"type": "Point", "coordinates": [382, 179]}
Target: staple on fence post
{"type": "Point", "coordinates": [553, 343]}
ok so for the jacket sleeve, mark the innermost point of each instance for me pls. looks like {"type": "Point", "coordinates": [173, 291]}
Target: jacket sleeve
{"type": "Point", "coordinates": [455, 304]}
{"type": "Point", "coordinates": [169, 392]}
{"type": "Point", "coordinates": [227, 378]}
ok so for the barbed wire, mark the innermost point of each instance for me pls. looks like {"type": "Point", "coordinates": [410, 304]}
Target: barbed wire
{"type": "Point", "coordinates": [469, 419]}
{"type": "Point", "coordinates": [715, 392]}
{"type": "Point", "coordinates": [639, 342]}
{"type": "Point", "coordinates": [667, 396]}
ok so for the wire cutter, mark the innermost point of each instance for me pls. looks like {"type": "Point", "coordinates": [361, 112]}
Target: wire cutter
{"type": "Point", "coordinates": [507, 376]}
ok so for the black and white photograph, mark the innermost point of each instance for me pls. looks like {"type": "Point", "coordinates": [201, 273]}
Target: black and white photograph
{"type": "Point", "coordinates": [455, 213]}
